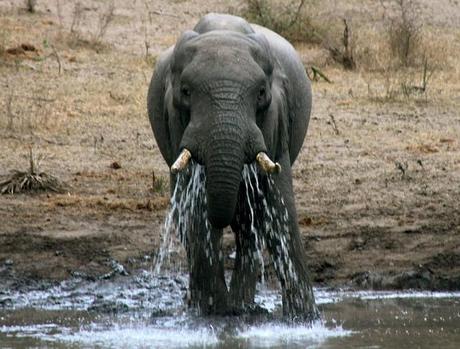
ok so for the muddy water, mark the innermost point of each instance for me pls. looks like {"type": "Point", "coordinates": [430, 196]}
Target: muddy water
{"type": "Point", "coordinates": [146, 311]}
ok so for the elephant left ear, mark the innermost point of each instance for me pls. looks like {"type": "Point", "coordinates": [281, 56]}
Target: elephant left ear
{"type": "Point", "coordinates": [261, 52]}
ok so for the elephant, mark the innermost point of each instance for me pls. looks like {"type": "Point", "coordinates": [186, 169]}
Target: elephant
{"type": "Point", "coordinates": [227, 94]}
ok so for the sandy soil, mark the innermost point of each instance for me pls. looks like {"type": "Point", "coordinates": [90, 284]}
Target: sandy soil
{"type": "Point", "coordinates": [377, 181]}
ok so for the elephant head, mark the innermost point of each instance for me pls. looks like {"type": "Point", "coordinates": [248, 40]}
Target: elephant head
{"type": "Point", "coordinates": [218, 93]}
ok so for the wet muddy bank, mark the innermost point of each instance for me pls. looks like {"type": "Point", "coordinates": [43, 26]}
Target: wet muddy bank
{"type": "Point", "coordinates": [420, 279]}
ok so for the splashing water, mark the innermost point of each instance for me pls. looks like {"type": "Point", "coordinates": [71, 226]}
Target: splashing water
{"type": "Point", "coordinates": [366, 319]}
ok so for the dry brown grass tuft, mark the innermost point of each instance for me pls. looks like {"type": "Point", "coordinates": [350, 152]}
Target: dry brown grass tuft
{"type": "Point", "coordinates": [26, 182]}
{"type": "Point", "coordinates": [400, 84]}
{"type": "Point", "coordinates": [30, 181]}
{"type": "Point", "coordinates": [160, 185]}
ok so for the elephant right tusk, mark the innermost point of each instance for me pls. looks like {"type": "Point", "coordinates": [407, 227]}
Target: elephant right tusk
{"type": "Point", "coordinates": [267, 164]}
{"type": "Point", "coordinates": [182, 161]}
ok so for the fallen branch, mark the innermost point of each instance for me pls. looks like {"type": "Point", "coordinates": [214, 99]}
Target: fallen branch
{"type": "Point", "coordinates": [334, 125]}
{"type": "Point", "coordinates": [57, 58]}
{"type": "Point", "coordinates": [317, 73]}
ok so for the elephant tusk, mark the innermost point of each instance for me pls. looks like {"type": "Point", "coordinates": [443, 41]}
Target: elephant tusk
{"type": "Point", "coordinates": [182, 161]}
{"type": "Point", "coordinates": [267, 164]}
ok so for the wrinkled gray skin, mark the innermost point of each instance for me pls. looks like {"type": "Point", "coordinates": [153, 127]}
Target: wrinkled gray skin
{"type": "Point", "coordinates": [226, 91]}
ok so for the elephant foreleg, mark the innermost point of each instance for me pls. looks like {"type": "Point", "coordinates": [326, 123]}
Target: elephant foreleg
{"type": "Point", "coordinates": [208, 291]}
{"type": "Point", "coordinates": [286, 250]}
{"type": "Point", "coordinates": [246, 271]}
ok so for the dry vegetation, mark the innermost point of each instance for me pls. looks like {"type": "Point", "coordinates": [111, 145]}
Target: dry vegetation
{"type": "Point", "coordinates": [376, 183]}
{"type": "Point", "coordinates": [32, 180]}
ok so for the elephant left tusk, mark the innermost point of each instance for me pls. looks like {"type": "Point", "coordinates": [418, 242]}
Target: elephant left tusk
{"type": "Point", "coordinates": [182, 161]}
{"type": "Point", "coordinates": [267, 164]}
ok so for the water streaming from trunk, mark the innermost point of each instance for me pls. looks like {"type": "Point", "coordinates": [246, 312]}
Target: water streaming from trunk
{"type": "Point", "coordinates": [189, 209]}
{"type": "Point", "coordinates": [253, 193]}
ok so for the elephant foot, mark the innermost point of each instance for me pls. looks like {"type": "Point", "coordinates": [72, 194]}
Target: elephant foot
{"type": "Point", "coordinates": [208, 291]}
{"type": "Point", "coordinates": [243, 290]}
{"type": "Point", "coordinates": [249, 311]}
{"type": "Point", "coordinates": [299, 305]}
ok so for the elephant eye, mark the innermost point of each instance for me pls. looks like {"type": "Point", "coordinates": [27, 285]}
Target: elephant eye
{"type": "Point", "coordinates": [262, 92]}
{"type": "Point", "coordinates": [185, 91]}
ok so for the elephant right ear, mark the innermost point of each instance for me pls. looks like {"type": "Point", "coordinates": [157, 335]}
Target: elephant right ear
{"type": "Point", "coordinates": [164, 117]}
{"type": "Point", "coordinates": [262, 52]}
{"type": "Point", "coordinates": [182, 54]}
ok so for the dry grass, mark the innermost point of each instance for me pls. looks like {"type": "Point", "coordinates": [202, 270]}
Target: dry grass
{"type": "Point", "coordinates": [109, 204]}
{"type": "Point", "coordinates": [105, 17]}
{"type": "Point", "coordinates": [26, 182]}
{"type": "Point", "coordinates": [404, 30]}
{"type": "Point", "coordinates": [160, 185]}
{"type": "Point", "coordinates": [291, 19]}
{"type": "Point", "coordinates": [347, 181]}
{"type": "Point", "coordinates": [30, 181]}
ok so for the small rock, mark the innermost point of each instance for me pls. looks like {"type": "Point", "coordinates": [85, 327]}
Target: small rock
{"type": "Point", "coordinates": [115, 165]}
{"type": "Point", "coordinates": [306, 221]}
{"type": "Point", "coordinates": [6, 303]}
{"type": "Point", "coordinates": [28, 47]}
{"type": "Point", "coordinates": [16, 51]}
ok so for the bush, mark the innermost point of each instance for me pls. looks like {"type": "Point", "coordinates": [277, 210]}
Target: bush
{"type": "Point", "coordinates": [287, 19]}
{"type": "Point", "coordinates": [404, 31]}
{"type": "Point", "coordinates": [30, 5]}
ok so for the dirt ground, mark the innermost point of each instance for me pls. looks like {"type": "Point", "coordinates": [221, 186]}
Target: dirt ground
{"type": "Point", "coordinates": [377, 182]}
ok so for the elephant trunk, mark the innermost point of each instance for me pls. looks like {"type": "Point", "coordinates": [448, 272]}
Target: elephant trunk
{"type": "Point", "coordinates": [224, 163]}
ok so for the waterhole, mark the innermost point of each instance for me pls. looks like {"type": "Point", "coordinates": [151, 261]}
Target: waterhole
{"type": "Point", "coordinates": [147, 311]}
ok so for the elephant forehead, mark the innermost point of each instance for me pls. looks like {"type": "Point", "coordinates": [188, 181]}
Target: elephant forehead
{"type": "Point", "coordinates": [222, 46]}
{"type": "Point", "coordinates": [219, 38]}
{"type": "Point", "coordinates": [224, 63]}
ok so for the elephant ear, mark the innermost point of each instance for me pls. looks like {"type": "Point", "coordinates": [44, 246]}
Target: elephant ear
{"type": "Point", "coordinates": [261, 52]}
{"type": "Point", "coordinates": [273, 122]}
{"type": "Point", "coordinates": [182, 54]}
{"type": "Point", "coordinates": [165, 118]}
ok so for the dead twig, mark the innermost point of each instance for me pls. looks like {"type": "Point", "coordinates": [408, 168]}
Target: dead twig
{"type": "Point", "coordinates": [77, 15]}
{"type": "Point", "coordinates": [30, 5]}
{"type": "Point", "coordinates": [334, 124]}
{"type": "Point", "coordinates": [59, 12]}
{"type": "Point", "coordinates": [317, 74]}
{"type": "Point", "coordinates": [161, 13]}
{"type": "Point", "coordinates": [348, 61]}
{"type": "Point", "coordinates": [402, 167]}
{"type": "Point", "coordinates": [296, 15]}
{"type": "Point", "coordinates": [9, 112]}
{"type": "Point", "coordinates": [104, 21]}
{"type": "Point", "coordinates": [58, 59]}
{"type": "Point", "coordinates": [342, 55]}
